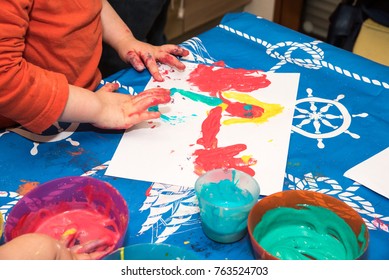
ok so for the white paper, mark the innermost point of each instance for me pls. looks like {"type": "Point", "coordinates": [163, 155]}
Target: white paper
{"type": "Point", "coordinates": [162, 151]}
{"type": "Point", "coordinates": [373, 173]}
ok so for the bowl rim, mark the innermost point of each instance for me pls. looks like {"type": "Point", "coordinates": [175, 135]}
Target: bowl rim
{"type": "Point", "coordinates": [7, 231]}
{"type": "Point", "coordinates": [257, 186]}
{"type": "Point", "coordinates": [252, 222]}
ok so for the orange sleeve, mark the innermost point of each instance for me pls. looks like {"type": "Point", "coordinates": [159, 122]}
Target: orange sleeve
{"type": "Point", "coordinates": [29, 95]}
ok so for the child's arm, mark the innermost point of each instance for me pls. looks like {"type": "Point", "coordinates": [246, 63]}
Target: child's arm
{"type": "Point", "coordinates": [138, 54]}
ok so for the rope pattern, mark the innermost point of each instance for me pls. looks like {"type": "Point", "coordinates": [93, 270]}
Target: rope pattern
{"type": "Point", "coordinates": [312, 49]}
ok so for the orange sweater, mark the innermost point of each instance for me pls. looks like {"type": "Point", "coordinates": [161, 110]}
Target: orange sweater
{"type": "Point", "coordinates": [44, 46]}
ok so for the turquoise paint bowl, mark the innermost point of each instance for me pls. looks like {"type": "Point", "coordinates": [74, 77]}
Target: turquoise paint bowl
{"type": "Point", "coordinates": [225, 198]}
{"type": "Point", "coordinates": [152, 251]}
{"type": "Point", "coordinates": [314, 226]}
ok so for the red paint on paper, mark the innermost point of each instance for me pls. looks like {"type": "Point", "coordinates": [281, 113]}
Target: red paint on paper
{"type": "Point", "coordinates": [212, 80]}
{"type": "Point", "coordinates": [212, 156]}
{"type": "Point", "coordinates": [210, 128]}
{"type": "Point", "coordinates": [223, 157]}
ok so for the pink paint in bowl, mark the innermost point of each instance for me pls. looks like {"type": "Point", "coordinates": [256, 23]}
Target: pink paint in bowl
{"type": "Point", "coordinates": [82, 209]}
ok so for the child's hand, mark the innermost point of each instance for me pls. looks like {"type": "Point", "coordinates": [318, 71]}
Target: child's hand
{"type": "Point", "coordinates": [94, 249]}
{"type": "Point", "coordinates": [143, 55]}
{"type": "Point", "coordinates": [122, 111]}
{"type": "Point", "coordinates": [36, 246]}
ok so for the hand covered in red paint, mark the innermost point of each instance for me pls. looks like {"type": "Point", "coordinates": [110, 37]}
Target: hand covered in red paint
{"type": "Point", "coordinates": [142, 55]}
{"type": "Point", "coordinates": [139, 54]}
{"type": "Point", "coordinates": [108, 109]}
{"type": "Point", "coordinates": [122, 111]}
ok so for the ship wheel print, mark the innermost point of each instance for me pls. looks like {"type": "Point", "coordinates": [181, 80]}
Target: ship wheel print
{"type": "Point", "coordinates": [320, 118]}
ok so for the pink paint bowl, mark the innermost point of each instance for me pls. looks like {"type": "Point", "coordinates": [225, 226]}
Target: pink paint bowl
{"type": "Point", "coordinates": [306, 225]}
{"type": "Point", "coordinates": [77, 210]}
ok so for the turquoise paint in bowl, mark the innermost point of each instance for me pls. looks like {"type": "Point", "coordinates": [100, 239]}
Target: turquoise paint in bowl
{"type": "Point", "coordinates": [225, 198]}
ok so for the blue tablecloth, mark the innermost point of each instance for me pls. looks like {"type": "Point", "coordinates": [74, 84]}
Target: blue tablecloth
{"type": "Point", "coordinates": [341, 119]}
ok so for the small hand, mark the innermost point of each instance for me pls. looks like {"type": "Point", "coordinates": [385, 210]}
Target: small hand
{"type": "Point", "coordinates": [69, 237]}
{"type": "Point", "coordinates": [122, 111]}
{"type": "Point", "coordinates": [93, 249]}
{"type": "Point", "coordinates": [143, 55]}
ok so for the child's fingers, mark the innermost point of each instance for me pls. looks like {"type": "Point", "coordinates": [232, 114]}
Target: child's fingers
{"type": "Point", "coordinates": [136, 118]}
{"type": "Point", "coordinates": [149, 98]}
{"type": "Point", "coordinates": [141, 102]}
{"type": "Point", "coordinates": [91, 246]}
{"type": "Point", "coordinates": [68, 238]}
{"type": "Point", "coordinates": [171, 60]}
{"type": "Point", "coordinates": [94, 249]}
{"type": "Point", "coordinates": [151, 63]}
{"type": "Point", "coordinates": [169, 54]}
{"type": "Point", "coordinates": [91, 256]}
{"type": "Point", "coordinates": [153, 92]}
{"type": "Point", "coordinates": [110, 87]}
{"type": "Point", "coordinates": [175, 50]}
{"type": "Point", "coordinates": [135, 60]}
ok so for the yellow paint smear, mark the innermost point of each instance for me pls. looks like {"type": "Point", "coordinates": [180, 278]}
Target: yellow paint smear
{"type": "Point", "coordinates": [270, 110]}
{"type": "Point", "coordinates": [121, 253]}
{"type": "Point", "coordinates": [246, 159]}
{"type": "Point", "coordinates": [69, 232]}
